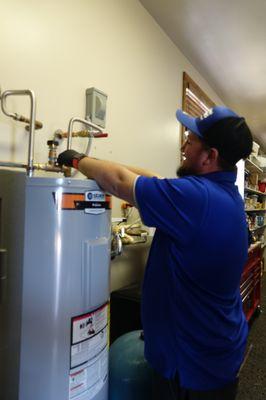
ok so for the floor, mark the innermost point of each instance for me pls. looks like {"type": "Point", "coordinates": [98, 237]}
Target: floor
{"type": "Point", "coordinates": [253, 375]}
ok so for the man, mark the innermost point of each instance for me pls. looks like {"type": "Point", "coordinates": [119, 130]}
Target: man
{"type": "Point", "coordinates": [191, 285]}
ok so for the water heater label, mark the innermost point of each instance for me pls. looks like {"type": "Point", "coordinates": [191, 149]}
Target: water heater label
{"type": "Point", "coordinates": [93, 202]}
{"type": "Point", "coordinates": [86, 381]}
{"type": "Point", "coordinates": [89, 353]}
{"type": "Point", "coordinates": [86, 326]}
{"type": "Point", "coordinates": [84, 351]}
{"type": "Point", "coordinates": [95, 195]}
{"type": "Point", "coordinates": [97, 202]}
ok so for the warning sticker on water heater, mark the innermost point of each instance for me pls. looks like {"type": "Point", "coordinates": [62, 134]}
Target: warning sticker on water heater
{"type": "Point", "coordinates": [86, 325]}
{"type": "Point", "coordinates": [87, 380]}
{"type": "Point", "coordinates": [89, 335]}
{"type": "Point", "coordinates": [89, 354]}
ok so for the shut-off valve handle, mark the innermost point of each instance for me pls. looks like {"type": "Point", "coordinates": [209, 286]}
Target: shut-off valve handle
{"type": "Point", "coordinates": [82, 121]}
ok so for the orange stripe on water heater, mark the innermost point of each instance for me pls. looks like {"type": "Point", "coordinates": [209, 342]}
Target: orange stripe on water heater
{"type": "Point", "coordinates": [68, 200]}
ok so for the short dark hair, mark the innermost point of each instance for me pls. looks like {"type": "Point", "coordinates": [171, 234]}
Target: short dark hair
{"type": "Point", "coordinates": [232, 138]}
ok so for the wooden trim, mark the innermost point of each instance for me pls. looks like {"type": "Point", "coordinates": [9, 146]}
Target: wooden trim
{"type": "Point", "coordinates": [188, 83]}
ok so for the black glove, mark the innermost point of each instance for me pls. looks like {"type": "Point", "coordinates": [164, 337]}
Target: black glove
{"type": "Point", "coordinates": [70, 158]}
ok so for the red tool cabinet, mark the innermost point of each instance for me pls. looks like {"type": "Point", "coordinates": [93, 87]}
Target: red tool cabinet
{"type": "Point", "coordinates": [250, 286]}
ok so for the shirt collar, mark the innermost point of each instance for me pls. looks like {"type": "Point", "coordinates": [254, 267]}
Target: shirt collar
{"type": "Point", "coordinates": [221, 176]}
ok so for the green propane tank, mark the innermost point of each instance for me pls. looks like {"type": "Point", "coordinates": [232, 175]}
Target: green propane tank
{"type": "Point", "coordinates": [130, 376]}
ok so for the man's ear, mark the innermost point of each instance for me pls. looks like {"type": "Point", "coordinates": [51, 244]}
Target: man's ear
{"type": "Point", "coordinates": [212, 157]}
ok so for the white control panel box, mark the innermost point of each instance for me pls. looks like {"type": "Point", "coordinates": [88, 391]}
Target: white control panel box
{"type": "Point", "coordinates": [96, 106]}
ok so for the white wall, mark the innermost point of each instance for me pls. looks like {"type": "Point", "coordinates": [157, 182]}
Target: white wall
{"type": "Point", "coordinates": [60, 48]}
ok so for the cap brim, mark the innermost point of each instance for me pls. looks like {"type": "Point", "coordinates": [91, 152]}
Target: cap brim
{"type": "Point", "coordinates": [188, 121]}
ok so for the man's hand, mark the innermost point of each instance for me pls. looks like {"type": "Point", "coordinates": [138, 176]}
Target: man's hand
{"type": "Point", "coordinates": [70, 158]}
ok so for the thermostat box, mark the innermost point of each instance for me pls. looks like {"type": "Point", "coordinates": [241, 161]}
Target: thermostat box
{"type": "Point", "coordinates": [96, 106]}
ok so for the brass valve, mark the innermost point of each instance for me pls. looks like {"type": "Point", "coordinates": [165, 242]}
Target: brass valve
{"type": "Point", "coordinates": [52, 155]}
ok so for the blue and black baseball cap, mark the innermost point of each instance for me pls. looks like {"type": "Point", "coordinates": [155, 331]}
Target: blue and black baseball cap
{"type": "Point", "coordinates": [223, 129]}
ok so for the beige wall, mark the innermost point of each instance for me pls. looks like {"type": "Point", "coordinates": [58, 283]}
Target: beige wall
{"type": "Point", "coordinates": [60, 48]}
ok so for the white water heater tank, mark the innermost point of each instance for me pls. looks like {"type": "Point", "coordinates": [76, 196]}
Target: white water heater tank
{"type": "Point", "coordinates": [54, 288]}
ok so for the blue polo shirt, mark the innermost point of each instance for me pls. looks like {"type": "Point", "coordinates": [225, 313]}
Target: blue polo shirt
{"type": "Point", "coordinates": [191, 306]}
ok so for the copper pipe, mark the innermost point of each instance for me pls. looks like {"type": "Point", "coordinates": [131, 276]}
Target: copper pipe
{"type": "Point", "coordinates": [62, 135]}
{"type": "Point", "coordinates": [52, 168]}
{"type": "Point", "coordinates": [39, 167]}
{"type": "Point", "coordinates": [10, 164]}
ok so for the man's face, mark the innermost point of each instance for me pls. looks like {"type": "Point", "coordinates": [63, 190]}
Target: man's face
{"type": "Point", "coordinates": [194, 154]}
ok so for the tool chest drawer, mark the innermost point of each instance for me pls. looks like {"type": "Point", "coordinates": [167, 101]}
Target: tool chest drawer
{"type": "Point", "coordinates": [250, 285]}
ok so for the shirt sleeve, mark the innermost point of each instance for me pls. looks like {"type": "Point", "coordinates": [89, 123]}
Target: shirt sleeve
{"type": "Point", "coordinates": [175, 206]}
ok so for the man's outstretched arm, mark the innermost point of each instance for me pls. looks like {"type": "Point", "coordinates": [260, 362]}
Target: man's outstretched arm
{"type": "Point", "coordinates": [112, 177]}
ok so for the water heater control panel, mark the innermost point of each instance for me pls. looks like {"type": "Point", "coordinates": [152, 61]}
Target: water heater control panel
{"type": "Point", "coordinates": [96, 106]}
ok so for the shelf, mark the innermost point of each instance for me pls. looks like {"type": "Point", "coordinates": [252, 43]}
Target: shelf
{"type": "Point", "coordinates": [249, 190]}
{"type": "Point", "coordinates": [255, 209]}
{"type": "Point", "coordinates": [257, 228]}
{"type": "Point", "coordinates": [251, 276]}
{"type": "Point", "coordinates": [252, 167]}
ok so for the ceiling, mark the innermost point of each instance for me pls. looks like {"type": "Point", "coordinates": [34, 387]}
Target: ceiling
{"type": "Point", "coordinates": [225, 40]}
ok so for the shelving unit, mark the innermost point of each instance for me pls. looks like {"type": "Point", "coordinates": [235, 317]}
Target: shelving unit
{"type": "Point", "coordinates": [257, 228]}
{"type": "Point", "coordinates": [255, 202]}
{"type": "Point", "coordinates": [255, 209]}
{"type": "Point", "coordinates": [250, 190]}
{"type": "Point", "coordinates": [252, 167]}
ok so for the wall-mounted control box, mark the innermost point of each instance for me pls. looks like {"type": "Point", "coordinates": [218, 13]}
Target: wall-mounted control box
{"type": "Point", "coordinates": [96, 106]}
